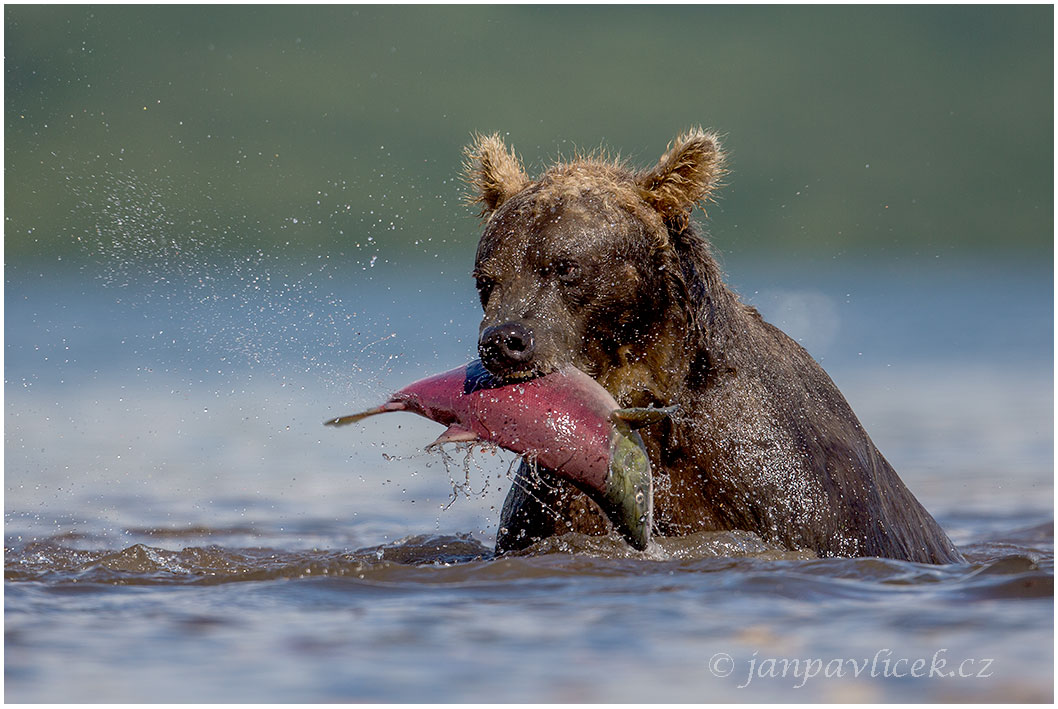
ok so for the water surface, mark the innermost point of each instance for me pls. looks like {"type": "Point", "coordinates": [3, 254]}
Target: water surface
{"type": "Point", "coordinates": [179, 526]}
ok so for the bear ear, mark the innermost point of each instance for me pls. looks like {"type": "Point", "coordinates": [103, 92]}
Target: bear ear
{"type": "Point", "coordinates": [684, 176]}
{"type": "Point", "coordinates": [493, 172]}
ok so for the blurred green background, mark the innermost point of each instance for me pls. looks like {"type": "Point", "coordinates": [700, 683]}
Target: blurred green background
{"type": "Point", "coordinates": [896, 132]}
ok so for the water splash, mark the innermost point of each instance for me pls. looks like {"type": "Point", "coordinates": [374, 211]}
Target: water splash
{"type": "Point", "coordinates": [231, 302]}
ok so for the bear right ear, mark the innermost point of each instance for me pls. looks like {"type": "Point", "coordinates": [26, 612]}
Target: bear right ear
{"type": "Point", "coordinates": [685, 176]}
{"type": "Point", "coordinates": [493, 172]}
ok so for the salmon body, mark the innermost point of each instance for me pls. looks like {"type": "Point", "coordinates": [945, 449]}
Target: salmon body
{"type": "Point", "coordinates": [563, 421]}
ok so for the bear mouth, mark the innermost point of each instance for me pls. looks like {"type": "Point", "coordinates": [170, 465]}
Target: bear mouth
{"type": "Point", "coordinates": [537, 367]}
{"type": "Point", "coordinates": [523, 375]}
{"type": "Point", "coordinates": [514, 376]}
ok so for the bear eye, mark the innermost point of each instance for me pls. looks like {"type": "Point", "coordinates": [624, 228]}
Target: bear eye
{"type": "Point", "coordinates": [485, 286]}
{"type": "Point", "coordinates": [566, 270]}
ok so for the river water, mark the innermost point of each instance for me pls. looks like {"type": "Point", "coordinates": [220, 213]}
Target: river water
{"type": "Point", "coordinates": [180, 527]}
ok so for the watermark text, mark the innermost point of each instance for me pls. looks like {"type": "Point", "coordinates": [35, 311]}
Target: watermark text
{"type": "Point", "coordinates": [884, 663]}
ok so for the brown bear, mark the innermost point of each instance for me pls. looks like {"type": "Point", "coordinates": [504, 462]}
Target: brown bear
{"type": "Point", "coordinates": [600, 266]}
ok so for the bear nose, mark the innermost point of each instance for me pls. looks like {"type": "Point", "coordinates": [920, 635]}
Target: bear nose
{"type": "Point", "coordinates": [505, 347]}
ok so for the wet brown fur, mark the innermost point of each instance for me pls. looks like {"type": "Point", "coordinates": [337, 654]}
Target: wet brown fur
{"type": "Point", "coordinates": [606, 267]}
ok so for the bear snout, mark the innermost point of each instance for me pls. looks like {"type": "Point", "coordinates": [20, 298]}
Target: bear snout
{"type": "Point", "coordinates": [506, 348]}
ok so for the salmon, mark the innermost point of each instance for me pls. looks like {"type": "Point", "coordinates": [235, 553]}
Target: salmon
{"type": "Point", "coordinates": [564, 421]}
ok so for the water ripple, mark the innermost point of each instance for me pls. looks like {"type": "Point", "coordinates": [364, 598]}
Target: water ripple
{"type": "Point", "coordinates": [1019, 565]}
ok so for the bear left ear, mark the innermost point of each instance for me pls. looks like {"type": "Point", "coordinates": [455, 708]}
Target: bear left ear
{"type": "Point", "coordinates": [493, 172]}
{"type": "Point", "coordinates": [685, 176]}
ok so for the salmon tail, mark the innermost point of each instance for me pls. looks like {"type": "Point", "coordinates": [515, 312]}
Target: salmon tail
{"type": "Point", "coordinates": [353, 418]}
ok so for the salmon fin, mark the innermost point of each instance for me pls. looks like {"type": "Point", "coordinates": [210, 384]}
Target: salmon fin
{"type": "Point", "coordinates": [639, 417]}
{"type": "Point", "coordinates": [353, 418]}
{"type": "Point", "coordinates": [454, 434]}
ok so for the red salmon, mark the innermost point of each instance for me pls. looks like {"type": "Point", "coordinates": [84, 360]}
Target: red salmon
{"type": "Point", "coordinates": [564, 421]}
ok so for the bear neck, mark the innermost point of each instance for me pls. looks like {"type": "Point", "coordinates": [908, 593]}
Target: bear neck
{"type": "Point", "coordinates": [690, 345]}
{"type": "Point", "coordinates": [710, 314]}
